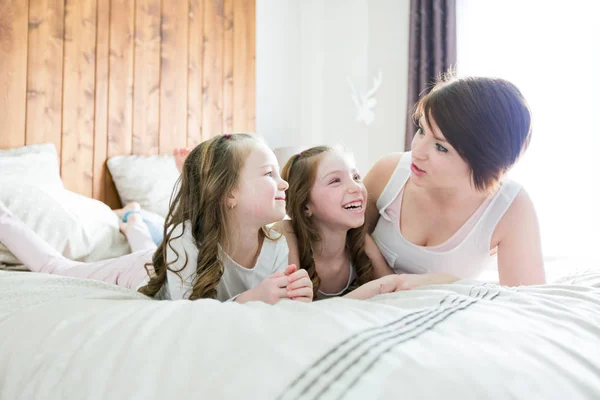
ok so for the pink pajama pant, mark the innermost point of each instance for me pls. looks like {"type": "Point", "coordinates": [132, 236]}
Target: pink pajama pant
{"type": "Point", "coordinates": [37, 255]}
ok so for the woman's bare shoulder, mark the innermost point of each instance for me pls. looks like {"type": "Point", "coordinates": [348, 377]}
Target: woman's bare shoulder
{"type": "Point", "coordinates": [381, 172]}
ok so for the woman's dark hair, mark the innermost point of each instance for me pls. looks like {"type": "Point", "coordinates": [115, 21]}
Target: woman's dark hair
{"type": "Point", "coordinates": [486, 120]}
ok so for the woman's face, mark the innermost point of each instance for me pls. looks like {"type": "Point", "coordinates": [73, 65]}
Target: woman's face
{"type": "Point", "coordinates": [435, 163]}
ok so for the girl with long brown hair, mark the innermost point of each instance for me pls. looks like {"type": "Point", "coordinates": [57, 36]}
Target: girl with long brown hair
{"type": "Point", "coordinates": [326, 234]}
{"type": "Point", "coordinates": [216, 244]}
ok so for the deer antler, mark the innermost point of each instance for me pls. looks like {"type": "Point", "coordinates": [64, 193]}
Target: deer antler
{"type": "Point", "coordinates": [355, 96]}
{"type": "Point", "coordinates": [376, 83]}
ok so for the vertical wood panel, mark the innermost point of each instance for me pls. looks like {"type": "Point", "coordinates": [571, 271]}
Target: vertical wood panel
{"type": "Point", "coordinates": [196, 51]}
{"type": "Point", "coordinates": [13, 72]}
{"type": "Point", "coordinates": [78, 96]}
{"type": "Point", "coordinates": [146, 77]}
{"type": "Point", "coordinates": [45, 72]}
{"type": "Point", "coordinates": [228, 45]}
{"type": "Point", "coordinates": [120, 86]}
{"type": "Point", "coordinates": [173, 79]}
{"type": "Point", "coordinates": [212, 96]}
{"type": "Point", "coordinates": [101, 103]}
{"type": "Point", "coordinates": [109, 77]}
{"type": "Point", "coordinates": [250, 18]}
{"type": "Point", "coordinates": [244, 69]}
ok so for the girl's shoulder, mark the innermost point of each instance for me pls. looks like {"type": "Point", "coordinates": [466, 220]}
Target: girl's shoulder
{"type": "Point", "coordinates": [285, 229]}
{"type": "Point", "coordinates": [275, 237]}
{"type": "Point", "coordinates": [275, 250]}
{"type": "Point", "coordinates": [182, 232]}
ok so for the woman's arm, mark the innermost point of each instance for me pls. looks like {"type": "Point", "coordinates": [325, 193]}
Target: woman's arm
{"type": "Point", "coordinates": [520, 260]}
{"type": "Point", "coordinates": [397, 283]}
{"type": "Point", "coordinates": [380, 265]}
{"type": "Point", "coordinates": [375, 181]}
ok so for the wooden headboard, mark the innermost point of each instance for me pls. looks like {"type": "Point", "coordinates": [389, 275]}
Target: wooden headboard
{"type": "Point", "coordinates": [100, 78]}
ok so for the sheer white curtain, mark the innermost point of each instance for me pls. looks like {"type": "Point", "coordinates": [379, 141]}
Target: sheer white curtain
{"type": "Point", "coordinates": [550, 51]}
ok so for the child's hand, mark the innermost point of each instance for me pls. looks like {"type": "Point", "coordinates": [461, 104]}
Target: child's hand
{"type": "Point", "coordinates": [300, 286]}
{"type": "Point", "coordinates": [270, 290]}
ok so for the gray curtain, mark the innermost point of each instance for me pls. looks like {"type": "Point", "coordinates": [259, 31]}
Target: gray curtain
{"type": "Point", "coordinates": [432, 49]}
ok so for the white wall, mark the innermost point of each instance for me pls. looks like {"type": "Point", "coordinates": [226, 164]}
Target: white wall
{"type": "Point", "coordinates": [552, 63]}
{"type": "Point", "coordinates": [307, 49]}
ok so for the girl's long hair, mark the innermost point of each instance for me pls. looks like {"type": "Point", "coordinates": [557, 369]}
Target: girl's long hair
{"type": "Point", "coordinates": [300, 173]}
{"type": "Point", "coordinates": [210, 173]}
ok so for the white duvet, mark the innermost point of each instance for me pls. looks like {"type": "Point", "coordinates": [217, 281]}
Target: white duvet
{"type": "Point", "coordinates": [65, 338]}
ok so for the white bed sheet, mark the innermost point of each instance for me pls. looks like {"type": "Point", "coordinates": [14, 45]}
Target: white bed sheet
{"type": "Point", "coordinates": [65, 338]}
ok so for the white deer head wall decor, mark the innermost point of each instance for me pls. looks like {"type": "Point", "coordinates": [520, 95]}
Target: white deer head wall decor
{"type": "Point", "coordinates": [365, 102]}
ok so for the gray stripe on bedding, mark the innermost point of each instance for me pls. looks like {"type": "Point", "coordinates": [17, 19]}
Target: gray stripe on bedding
{"type": "Point", "coordinates": [358, 353]}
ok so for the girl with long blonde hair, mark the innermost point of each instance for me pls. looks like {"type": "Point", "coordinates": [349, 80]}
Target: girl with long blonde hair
{"type": "Point", "coordinates": [216, 243]}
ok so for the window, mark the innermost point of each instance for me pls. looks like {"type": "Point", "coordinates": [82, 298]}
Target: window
{"type": "Point", "coordinates": [548, 49]}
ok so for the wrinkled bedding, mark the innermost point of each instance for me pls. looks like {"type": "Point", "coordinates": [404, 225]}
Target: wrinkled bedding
{"type": "Point", "coordinates": [66, 338]}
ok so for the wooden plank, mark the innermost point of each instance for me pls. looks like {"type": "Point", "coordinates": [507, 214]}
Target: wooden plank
{"type": "Point", "coordinates": [228, 44]}
{"type": "Point", "coordinates": [101, 105]}
{"type": "Point", "coordinates": [77, 157]}
{"type": "Point", "coordinates": [146, 77]}
{"type": "Point", "coordinates": [173, 76]}
{"type": "Point", "coordinates": [45, 72]}
{"type": "Point", "coordinates": [239, 66]}
{"type": "Point", "coordinates": [250, 109]}
{"type": "Point", "coordinates": [212, 97]}
{"type": "Point", "coordinates": [13, 71]}
{"type": "Point", "coordinates": [195, 59]}
{"type": "Point", "coordinates": [120, 86]}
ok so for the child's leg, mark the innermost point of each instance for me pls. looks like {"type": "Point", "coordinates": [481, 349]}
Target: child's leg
{"type": "Point", "coordinates": [137, 234]}
{"type": "Point", "coordinates": [25, 244]}
{"type": "Point", "coordinates": [155, 224]}
{"type": "Point", "coordinates": [127, 271]}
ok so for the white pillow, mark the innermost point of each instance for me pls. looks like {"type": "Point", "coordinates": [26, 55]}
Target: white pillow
{"type": "Point", "coordinates": [78, 227]}
{"type": "Point", "coordinates": [36, 164]}
{"type": "Point", "coordinates": [148, 180]}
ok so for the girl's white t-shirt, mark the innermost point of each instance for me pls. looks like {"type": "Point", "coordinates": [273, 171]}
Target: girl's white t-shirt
{"type": "Point", "coordinates": [236, 279]}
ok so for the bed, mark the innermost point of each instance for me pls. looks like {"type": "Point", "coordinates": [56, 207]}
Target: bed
{"type": "Point", "coordinates": [65, 338]}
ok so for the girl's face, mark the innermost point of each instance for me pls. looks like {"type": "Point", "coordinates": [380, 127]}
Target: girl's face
{"type": "Point", "coordinates": [338, 197]}
{"type": "Point", "coordinates": [435, 163]}
{"type": "Point", "coordinates": [259, 197]}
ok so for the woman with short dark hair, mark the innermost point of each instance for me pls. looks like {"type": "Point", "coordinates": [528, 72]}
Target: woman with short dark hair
{"type": "Point", "coordinates": [441, 208]}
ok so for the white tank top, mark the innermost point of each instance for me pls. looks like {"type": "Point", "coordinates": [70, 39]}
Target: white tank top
{"type": "Point", "coordinates": [352, 276]}
{"type": "Point", "coordinates": [469, 249]}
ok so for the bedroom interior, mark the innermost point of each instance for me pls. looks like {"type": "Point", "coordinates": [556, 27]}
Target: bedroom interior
{"type": "Point", "coordinates": [94, 97]}
{"type": "Point", "coordinates": [99, 79]}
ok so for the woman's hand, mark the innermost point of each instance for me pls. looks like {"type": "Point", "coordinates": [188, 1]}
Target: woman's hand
{"type": "Point", "coordinates": [397, 283]}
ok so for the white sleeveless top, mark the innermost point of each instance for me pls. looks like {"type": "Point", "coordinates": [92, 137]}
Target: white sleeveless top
{"type": "Point", "coordinates": [463, 257]}
{"type": "Point", "coordinates": [351, 277]}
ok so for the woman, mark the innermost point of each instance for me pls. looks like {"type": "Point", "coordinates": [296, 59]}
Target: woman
{"type": "Point", "coordinates": [444, 206]}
